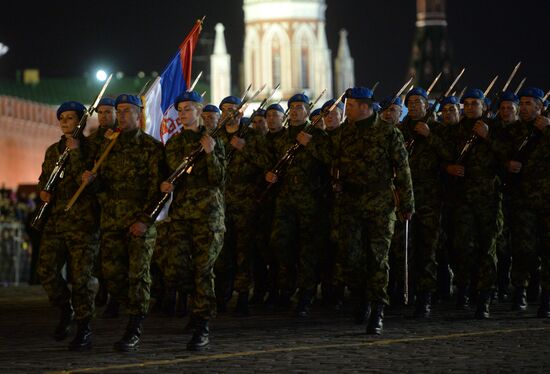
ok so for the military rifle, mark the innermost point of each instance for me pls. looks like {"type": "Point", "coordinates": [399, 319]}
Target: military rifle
{"type": "Point", "coordinates": [41, 215]}
{"type": "Point", "coordinates": [189, 161]}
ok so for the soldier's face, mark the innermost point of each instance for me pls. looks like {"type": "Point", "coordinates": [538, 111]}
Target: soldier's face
{"type": "Point", "coordinates": [274, 120]}
{"type": "Point", "coordinates": [259, 123]}
{"type": "Point", "coordinates": [227, 109]}
{"type": "Point", "coordinates": [127, 116]}
{"type": "Point", "coordinates": [508, 111]}
{"type": "Point", "coordinates": [188, 114]}
{"type": "Point", "coordinates": [529, 108]}
{"type": "Point", "coordinates": [392, 114]}
{"type": "Point", "coordinates": [333, 119]}
{"type": "Point", "coordinates": [416, 106]}
{"type": "Point", "coordinates": [473, 108]}
{"type": "Point", "coordinates": [68, 121]}
{"type": "Point", "coordinates": [210, 119]}
{"type": "Point", "coordinates": [355, 110]}
{"type": "Point", "coordinates": [106, 115]}
{"type": "Point", "coordinates": [298, 113]}
{"type": "Point", "coordinates": [450, 114]}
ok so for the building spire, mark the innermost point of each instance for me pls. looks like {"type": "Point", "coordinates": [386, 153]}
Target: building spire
{"type": "Point", "coordinates": [343, 65]}
{"type": "Point", "coordinates": [220, 68]}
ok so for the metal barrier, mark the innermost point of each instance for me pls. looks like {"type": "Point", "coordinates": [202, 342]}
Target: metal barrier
{"type": "Point", "coordinates": [15, 254]}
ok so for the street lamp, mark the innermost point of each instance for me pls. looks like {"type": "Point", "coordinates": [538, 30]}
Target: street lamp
{"type": "Point", "coordinates": [101, 75]}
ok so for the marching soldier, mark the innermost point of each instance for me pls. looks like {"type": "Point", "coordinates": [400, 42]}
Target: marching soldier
{"type": "Point", "coordinates": [70, 238]}
{"type": "Point", "coordinates": [528, 183]}
{"type": "Point", "coordinates": [210, 117]}
{"type": "Point", "coordinates": [428, 154]}
{"type": "Point", "coordinates": [478, 200]}
{"type": "Point", "coordinates": [391, 109]}
{"type": "Point", "coordinates": [126, 183]}
{"type": "Point", "coordinates": [194, 236]}
{"type": "Point", "coordinates": [258, 121]}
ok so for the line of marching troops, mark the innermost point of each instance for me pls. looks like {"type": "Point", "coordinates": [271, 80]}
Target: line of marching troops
{"type": "Point", "coordinates": [334, 213]}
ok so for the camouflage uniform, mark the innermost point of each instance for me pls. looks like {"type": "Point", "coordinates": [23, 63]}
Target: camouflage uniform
{"type": "Point", "coordinates": [478, 202]}
{"type": "Point", "coordinates": [194, 234]}
{"type": "Point", "coordinates": [295, 234]}
{"type": "Point", "coordinates": [530, 204]}
{"type": "Point", "coordinates": [426, 159]}
{"type": "Point", "coordinates": [245, 171]}
{"type": "Point", "coordinates": [127, 182]}
{"type": "Point", "coordinates": [69, 237]}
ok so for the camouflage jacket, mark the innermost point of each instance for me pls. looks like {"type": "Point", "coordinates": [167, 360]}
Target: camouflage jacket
{"type": "Point", "coordinates": [198, 195]}
{"type": "Point", "coordinates": [532, 184]}
{"type": "Point", "coordinates": [245, 168]}
{"type": "Point", "coordinates": [429, 155]}
{"type": "Point", "coordinates": [97, 138]}
{"type": "Point", "coordinates": [128, 180]}
{"type": "Point", "coordinates": [483, 164]}
{"type": "Point", "coordinates": [84, 214]}
{"type": "Point", "coordinates": [366, 154]}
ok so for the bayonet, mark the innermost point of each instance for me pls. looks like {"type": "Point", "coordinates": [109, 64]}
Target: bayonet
{"type": "Point", "coordinates": [511, 76]}
{"type": "Point", "coordinates": [375, 86]}
{"type": "Point", "coordinates": [433, 83]}
{"type": "Point", "coordinates": [520, 85]}
{"type": "Point", "coordinates": [490, 87]}
{"type": "Point", "coordinates": [195, 82]}
{"type": "Point", "coordinates": [454, 82]}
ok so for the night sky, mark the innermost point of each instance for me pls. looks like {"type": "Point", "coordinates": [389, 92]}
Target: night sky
{"type": "Point", "coordinates": [70, 38]}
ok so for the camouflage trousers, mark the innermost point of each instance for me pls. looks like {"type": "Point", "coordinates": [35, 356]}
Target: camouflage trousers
{"type": "Point", "coordinates": [295, 239]}
{"type": "Point", "coordinates": [190, 249]}
{"type": "Point", "coordinates": [125, 261]}
{"type": "Point", "coordinates": [530, 231]}
{"type": "Point", "coordinates": [367, 236]}
{"type": "Point", "coordinates": [234, 265]}
{"type": "Point", "coordinates": [473, 254]}
{"type": "Point", "coordinates": [77, 250]}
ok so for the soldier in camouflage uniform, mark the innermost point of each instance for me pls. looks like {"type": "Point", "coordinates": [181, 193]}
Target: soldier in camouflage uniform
{"type": "Point", "coordinates": [295, 235]}
{"type": "Point", "coordinates": [247, 161]}
{"type": "Point", "coordinates": [106, 117]}
{"type": "Point", "coordinates": [210, 117]}
{"type": "Point", "coordinates": [258, 122]}
{"type": "Point", "coordinates": [428, 154]}
{"type": "Point", "coordinates": [478, 201]}
{"type": "Point", "coordinates": [369, 154]}
{"type": "Point", "coordinates": [529, 193]}
{"type": "Point", "coordinates": [196, 228]}
{"type": "Point", "coordinates": [69, 238]}
{"type": "Point", "coordinates": [126, 183]}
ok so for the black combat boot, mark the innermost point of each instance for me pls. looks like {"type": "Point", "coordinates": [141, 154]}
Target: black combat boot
{"type": "Point", "coordinates": [181, 307]}
{"type": "Point", "coordinates": [111, 310]}
{"type": "Point", "coordinates": [544, 308]}
{"type": "Point", "coordinates": [241, 309]}
{"type": "Point", "coordinates": [520, 299]}
{"type": "Point", "coordinates": [66, 317]}
{"type": "Point", "coordinates": [131, 338]}
{"type": "Point", "coordinates": [423, 305]}
{"type": "Point", "coordinates": [462, 298]}
{"type": "Point", "coordinates": [303, 308]}
{"type": "Point", "coordinates": [83, 339]}
{"type": "Point", "coordinates": [483, 304]}
{"type": "Point", "coordinates": [374, 327]}
{"type": "Point", "coordinates": [169, 303]}
{"type": "Point", "coordinates": [201, 336]}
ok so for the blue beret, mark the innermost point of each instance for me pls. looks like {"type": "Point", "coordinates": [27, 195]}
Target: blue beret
{"type": "Point", "coordinates": [230, 100]}
{"type": "Point", "coordinates": [508, 96]}
{"type": "Point", "coordinates": [359, 93]}
{"type": "Point", "coordinates": [259, 112]}
{"type": "Point", "coordinates": [71, 106]}
{"type": "Point", "coordinates": [188, 96]}
{"type": "Point", "coordinates": [245, 121]}
{"type": "Point", "coordinates": [329, 103]}
{"type": "Point", "coordinates": [276, 107]}
{"type": "Point", "coordinates": [416, 91]}
{"type": "Point", "coordinates": [298, 98]}
{"type": "Point", "coordinates": [108, 101]}
{"type": "Point", "coordinates": [210, 109]}
{"type": "Point", "coordinates": [128, 99]}
{"type": "Point", "coordinates": [314, 113]}
{"type": "Point", "coordinates": [534, 92]}
{"type": "Point", "coordinates": [472, 93]}
{"type": "Point", "coordinates": [453, 100]}
{"type": "Point", "coordinates": [385, 103]}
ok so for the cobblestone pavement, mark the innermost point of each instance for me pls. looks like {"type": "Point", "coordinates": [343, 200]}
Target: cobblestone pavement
{"type": "Point", "coordinates": [267, 341]}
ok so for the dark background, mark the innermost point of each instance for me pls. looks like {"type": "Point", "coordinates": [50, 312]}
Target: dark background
{"type": "Point", "coordinates": [74, 38]}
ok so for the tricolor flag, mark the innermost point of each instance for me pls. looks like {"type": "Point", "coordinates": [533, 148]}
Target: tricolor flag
{"type": "Point", "coordinates": [161, 116]}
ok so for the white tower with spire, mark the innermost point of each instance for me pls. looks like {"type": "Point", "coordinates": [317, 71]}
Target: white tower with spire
{"type": "Point", "coordinates": [343, 65]}
{"type": "Point", "coordinates": [285, 42]}
{"type": "Point", "coordinates": [220, 68]}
